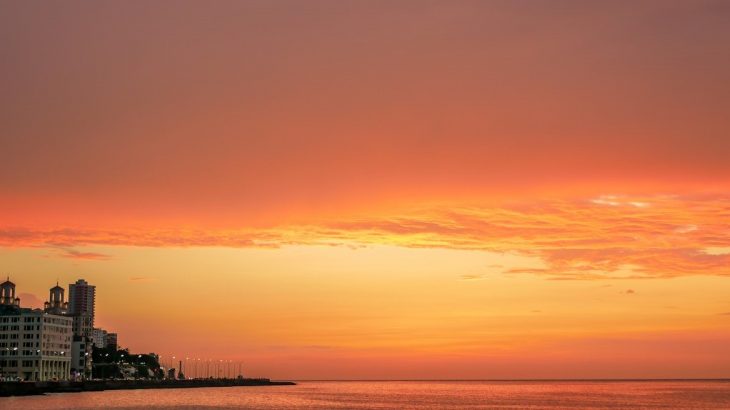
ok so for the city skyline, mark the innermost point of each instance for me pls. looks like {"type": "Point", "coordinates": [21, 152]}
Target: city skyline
{"type": "Point", "coordinates": [378, 190]}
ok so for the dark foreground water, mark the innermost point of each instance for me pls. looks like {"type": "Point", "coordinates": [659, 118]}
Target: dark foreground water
{"type": "Point", "coordinates": [403, 395]}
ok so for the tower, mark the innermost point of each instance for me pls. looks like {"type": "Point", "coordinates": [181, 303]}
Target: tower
{"type": "Point", "coordinates": [81, 300]}
{"type": "Point", "coordinates": [7, 294]}
{"type": "Point", "coordinates": [56, 303]}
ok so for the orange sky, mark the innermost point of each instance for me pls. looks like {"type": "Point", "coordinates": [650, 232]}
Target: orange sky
{"type": "Point", "coordinates": [371, 189]}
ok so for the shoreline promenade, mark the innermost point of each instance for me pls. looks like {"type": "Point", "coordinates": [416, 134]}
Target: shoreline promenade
{"type": "Point", "coordinates": [36, 388]}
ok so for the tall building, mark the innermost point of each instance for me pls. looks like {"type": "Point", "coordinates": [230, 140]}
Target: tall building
{"type": "Point", "coordinates": [81, 301]}
{"type": "Point", "coordinates": [34, 345]}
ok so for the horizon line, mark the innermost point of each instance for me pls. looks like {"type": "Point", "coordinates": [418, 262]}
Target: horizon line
{"type": "Point", "coordinates": [720, 379]}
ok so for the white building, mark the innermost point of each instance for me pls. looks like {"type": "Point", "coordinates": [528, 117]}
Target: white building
{"type": "Point", "coordinates": [34, 345]}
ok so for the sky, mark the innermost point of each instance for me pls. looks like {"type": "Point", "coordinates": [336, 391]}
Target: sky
{"type": "Point", "coordinates": [378, 189]}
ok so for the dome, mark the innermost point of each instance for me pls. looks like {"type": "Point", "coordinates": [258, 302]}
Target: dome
{"type": "Point", "coordinates": [7, 283]}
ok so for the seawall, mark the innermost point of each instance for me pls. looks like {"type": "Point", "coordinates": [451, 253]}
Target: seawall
{"type": "Point", "coordinates": [34, 388]}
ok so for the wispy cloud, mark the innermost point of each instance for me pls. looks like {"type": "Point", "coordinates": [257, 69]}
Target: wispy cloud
{"type": "Point", "coordinates": [472, 277]}
{"type": "Point", "coordinates": [74, 254]}
{"type": "Point", "coordinates": [63, 252]}
{"type": "Point", "coordinates": [576, 239]}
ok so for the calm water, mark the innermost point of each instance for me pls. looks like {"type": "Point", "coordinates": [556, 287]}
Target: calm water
{"type": "Point", "coordinates": [403, 395]}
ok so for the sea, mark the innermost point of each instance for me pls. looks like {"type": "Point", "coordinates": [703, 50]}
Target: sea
{"type": "Point", "coordinates": [404, 395]}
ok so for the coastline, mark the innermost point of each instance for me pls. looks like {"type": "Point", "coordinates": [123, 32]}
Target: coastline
{"type": "Point", "coordinates": [8, 389]}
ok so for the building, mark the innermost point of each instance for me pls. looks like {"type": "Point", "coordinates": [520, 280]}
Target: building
{"type": "Point", "coordinates": [111, 341]}
{"type": "Point", "coordinates": [99, 337]}
{"type": "Point", "coordinates": [81, 298]}
{"type": "Point", "coordinates": [81, 304]}
{"type": "Point", "coordinates": [80, 357]}
{"type": "Point", "coordinates": [34, 345]}
{"type": "Point", "coordinates": [102, 339]}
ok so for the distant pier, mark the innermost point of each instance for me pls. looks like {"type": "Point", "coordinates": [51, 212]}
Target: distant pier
{"type": "Point", "coordinates": [36, 388]}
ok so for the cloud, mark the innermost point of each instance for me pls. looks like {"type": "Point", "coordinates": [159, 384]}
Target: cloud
{"type": "Point", "coordinates": [472, 277]}
{"type": "Point", "coordinates": [575, 238]}
{"type": "Point", "coordinates": [76, 254]}
{"type": "Point", "coordinates": [717, 251]}
{"type": "Point", "coordinates": [685, 228]}
{"type": "Point", "coordinates": [613, 200]}
{"type": "Point", "coordinates": [73, 254]}
{"type": "Point", "coordinates": [606, 200]}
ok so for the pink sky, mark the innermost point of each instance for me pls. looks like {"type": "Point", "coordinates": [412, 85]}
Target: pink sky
{"type": "Point", "coordinates": [289, 146]}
